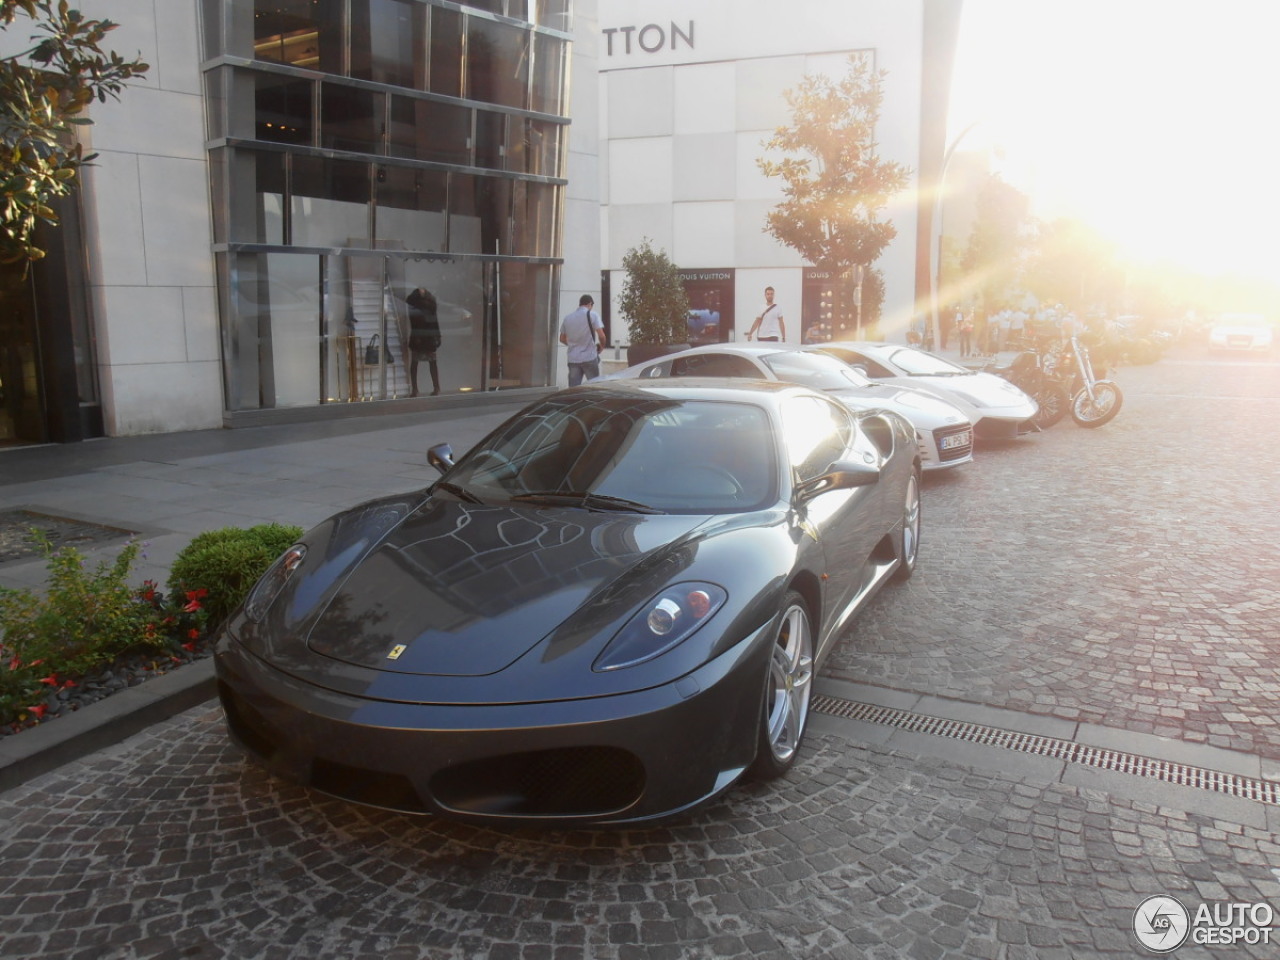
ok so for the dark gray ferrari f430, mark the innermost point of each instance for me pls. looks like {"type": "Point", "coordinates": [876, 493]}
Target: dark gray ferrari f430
{"type": "Point", "coordinates": [607, 612]}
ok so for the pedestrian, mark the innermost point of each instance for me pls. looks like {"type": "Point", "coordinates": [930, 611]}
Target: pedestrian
{"type": "Point", "coordinates": [424, 338]}
{"type": "Point", "coordinates": [583, 333]}
{"type": "Point", "coordinates": [966, 333]}
{"type": "Point", "coordinates": [769, 322]}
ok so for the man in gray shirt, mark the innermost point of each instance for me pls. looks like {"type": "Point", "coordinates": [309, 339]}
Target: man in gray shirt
{"type": "Point", "coordinates": [583, 333]}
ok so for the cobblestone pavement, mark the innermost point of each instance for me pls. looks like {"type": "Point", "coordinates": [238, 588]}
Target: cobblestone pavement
{"type": "Point", "coordinates": [1123, 576]}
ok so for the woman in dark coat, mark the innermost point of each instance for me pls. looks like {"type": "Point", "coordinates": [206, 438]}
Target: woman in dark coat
{"type": "Point", "coordinates": [424, 337]}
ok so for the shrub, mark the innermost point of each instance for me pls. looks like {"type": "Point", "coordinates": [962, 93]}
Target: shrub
{"type": "Point", "coordinates": [227, 563]}
{"type": "Point", "coordinates": [83, 619]}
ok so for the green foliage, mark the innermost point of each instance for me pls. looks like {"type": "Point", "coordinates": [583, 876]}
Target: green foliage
{"type": "Point", "coordinates": [998, 243]}
{"type": "Point", "coordinates": [44, 92]}
{"type": "Point", "coordinates": [653, 301]}
{"type": "Point", "coordinates": [835, 184]}
{"type": "Point", "coordinates": [228, 562]}
{"type": "Point", "coordinates": [85, 618]}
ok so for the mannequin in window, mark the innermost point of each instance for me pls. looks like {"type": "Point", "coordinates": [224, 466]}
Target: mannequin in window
{"type": "Point", "coordinates": [424, 338]}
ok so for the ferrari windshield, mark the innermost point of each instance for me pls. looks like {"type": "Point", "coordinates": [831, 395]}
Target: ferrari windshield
{"type": "Point", "coordinates": [917, 363]}
{"type": "Point", "coordinates": [627, 452]}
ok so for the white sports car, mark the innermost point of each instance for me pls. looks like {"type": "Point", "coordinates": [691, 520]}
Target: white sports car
{"type": "Point", "coordinates": [945, 434]}
{"type": "Point", "coordinates": [998, 409]}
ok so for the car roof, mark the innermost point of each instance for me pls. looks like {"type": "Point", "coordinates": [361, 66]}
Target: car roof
{"type": "Point", "coordinates": [759, 392]}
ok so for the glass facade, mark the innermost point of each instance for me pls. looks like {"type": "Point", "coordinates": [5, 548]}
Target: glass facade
{"type": "Point", "coordinates": [361, 149]}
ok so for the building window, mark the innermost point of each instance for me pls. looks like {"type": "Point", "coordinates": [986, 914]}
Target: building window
{"type": "Point", "coordinates": [387, 41]}
{"type": "Point", "coordinates": [329, 204]}
{"type": "Point", "coordinates": [427, 130]}
{"type": "Point", "coordinates": [301, 33]}
{"type": "Point", "coordinates": [351, 119]}
{"type": "Point", "coordinates": [497, 62]}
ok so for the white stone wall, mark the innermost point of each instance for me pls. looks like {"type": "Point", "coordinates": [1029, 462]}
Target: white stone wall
{"type": "Point", "coordinates": [148, 229]}
{"type": "Point", "coordinates": [683, 125]}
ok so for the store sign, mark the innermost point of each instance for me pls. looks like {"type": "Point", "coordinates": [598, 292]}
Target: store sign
{"type": "Point", "coordinates": [651, 38]}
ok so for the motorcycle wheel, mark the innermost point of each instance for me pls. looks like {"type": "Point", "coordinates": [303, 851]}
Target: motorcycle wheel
{"type": "Point", "coordinates": [1102, 409]}
{"type": "Point", "coordinates": [1054, 401]}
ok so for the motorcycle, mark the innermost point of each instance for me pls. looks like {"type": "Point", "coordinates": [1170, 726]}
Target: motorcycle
{"type": "Point", "coordinates": [1094, 401]}
{"type": "Point", "coordinates": [1033, 372]}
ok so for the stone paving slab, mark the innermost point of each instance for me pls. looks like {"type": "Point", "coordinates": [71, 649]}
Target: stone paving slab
{"type": "Point", "coordinates": [170, 845]}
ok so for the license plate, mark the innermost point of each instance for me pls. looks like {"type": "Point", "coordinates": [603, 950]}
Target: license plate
{"type": "Point", "coordinates": [1239, 341]}
{"type": "Point", "coordinates": [956, 440]}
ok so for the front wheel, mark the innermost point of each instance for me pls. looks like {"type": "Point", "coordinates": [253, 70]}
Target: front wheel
{"type": "Point", "coordinates": [1105, 404]}
{"type": "Point", "coordinates": [787, 689]}
{"type": "Point", "coordinates": [909, 543]}
{"type": "Point", "coordinates": [1054, 403]}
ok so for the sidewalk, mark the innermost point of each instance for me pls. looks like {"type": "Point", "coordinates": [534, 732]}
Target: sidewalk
{"type": "Point", "coordinates": [167, 488]}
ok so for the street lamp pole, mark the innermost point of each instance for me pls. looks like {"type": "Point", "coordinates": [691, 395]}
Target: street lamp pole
{"type": "Point", "coordinates": [935, 248]}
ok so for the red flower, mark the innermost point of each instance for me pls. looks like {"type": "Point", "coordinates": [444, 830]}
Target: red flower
{"type": "Point", "coordinates": [192, 607]}
{"type": "Point", "coordinates": [193, 633]}
{"type": "Point", "coordinates": [39, 710]}
{"type": "Point", "coordinates": [51, 680]}
{"type": "Point", "coordinates": [197, 594]}
{"type": "Point", "coordinates": [67, 684]}
{"type": "Point", "coordinates": [15, 663]}
{"type": "Point", "coordinates": [190, 647]}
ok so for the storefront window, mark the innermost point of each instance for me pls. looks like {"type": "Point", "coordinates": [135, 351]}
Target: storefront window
{"type": "Point", "coordinates": [330, 324]}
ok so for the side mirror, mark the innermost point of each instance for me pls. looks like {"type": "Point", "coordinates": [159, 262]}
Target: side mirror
{"type": "Point", "coordinates": [441, 457]}
{"type": "Point", "coordinates": [841, 475]}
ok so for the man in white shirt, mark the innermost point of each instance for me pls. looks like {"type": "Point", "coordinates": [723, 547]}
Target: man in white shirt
{"type": "Point", "coordinates": [770, 321]}
{"type": "Point", "coordinates": [583, 333]}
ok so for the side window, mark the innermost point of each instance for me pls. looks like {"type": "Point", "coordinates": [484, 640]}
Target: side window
{"type": "Point", "coordinates": [873, 369]}
{"type": "Point", "coordinates": [657, 370]}
{"type": "Point", "coordinates": [713, 365]}
{"type": "Point", "coordinates": [817, 432]}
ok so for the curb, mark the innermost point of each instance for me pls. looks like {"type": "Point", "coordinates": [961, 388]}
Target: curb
{"type": "Point", "coordinates": [26, 755]}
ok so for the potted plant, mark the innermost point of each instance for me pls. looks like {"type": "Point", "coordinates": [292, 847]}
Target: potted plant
{"type": "Point", "coordinates": [654, 304]}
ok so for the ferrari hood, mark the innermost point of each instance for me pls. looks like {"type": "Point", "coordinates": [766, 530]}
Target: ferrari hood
{"type": "Point", "coordinates": [464, 590]}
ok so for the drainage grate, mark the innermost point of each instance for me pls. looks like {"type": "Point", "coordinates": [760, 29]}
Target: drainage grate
{"type": "Point", "coordinates": [1180, 774]}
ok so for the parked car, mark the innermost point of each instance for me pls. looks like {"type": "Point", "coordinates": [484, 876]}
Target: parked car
{"type": "Point", "coordinates": [608, 611]}
{"type": "Point", "coordinates": [945, 433]}
{"type": "Point", "coordinates": [998, 409]}
{"type": "Point", "coordinates": [1241, 333]}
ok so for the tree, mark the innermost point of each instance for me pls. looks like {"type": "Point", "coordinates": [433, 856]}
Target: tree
{"type": "Point", "coordinates": [653, 300]}
{"type": "Point", "coordinates": [44, 92]}
{"type": "Point", "coordinates": [834, 183]}
{"type": "Point", "coordinates": [1074, 265]}
{"type": "Point", "coordinates": [992, 259]}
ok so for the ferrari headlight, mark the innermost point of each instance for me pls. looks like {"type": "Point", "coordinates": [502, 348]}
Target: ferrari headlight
{"type": "Point", "coordinates": [665, 621]}
{"type": "Point", "coordinates": [273, 581]}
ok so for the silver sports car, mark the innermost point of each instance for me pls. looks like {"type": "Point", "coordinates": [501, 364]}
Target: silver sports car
{"type": "Point", "coordinates": [944, 433]}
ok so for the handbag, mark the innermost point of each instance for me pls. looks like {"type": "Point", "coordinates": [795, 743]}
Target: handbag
{"type": "Point", "coordinates": [371, 351]}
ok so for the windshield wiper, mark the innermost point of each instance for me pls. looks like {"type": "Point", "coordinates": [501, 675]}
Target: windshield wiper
{"type": "Point", "coordinates": [590, 501]}
{"type": "Point", "coordinates": [462, 493]}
